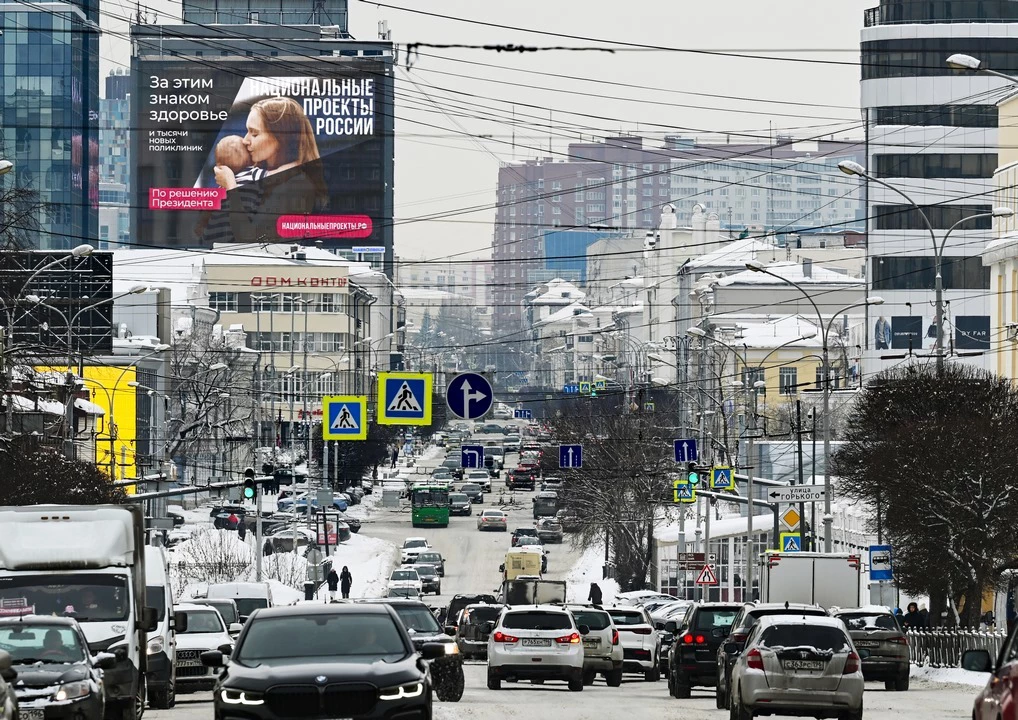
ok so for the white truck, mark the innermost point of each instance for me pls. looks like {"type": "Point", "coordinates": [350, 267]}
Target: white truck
{"type": "Point", "coordinates": [828, 580]}
{"type": "Point", "coordinates": [86, 562]}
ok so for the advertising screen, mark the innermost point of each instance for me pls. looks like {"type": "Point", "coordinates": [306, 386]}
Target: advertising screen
{"type": "Point", "coordinates": [246, 151]}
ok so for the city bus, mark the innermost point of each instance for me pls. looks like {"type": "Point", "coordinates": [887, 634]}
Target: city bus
{"type": "Point", "coordinates": [429, 505]}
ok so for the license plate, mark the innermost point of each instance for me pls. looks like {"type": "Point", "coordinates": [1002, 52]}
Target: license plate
{"type": "Point", "coordinates": [867, 643]}
{"type": "Point", "coordinates": [32, 714]}
{"type": "Point", "coordinates": [591, 643]}
{"type": "Point", "coordinates": [536, 642]}
{"type": "Point", "coordinates": [810, 665]}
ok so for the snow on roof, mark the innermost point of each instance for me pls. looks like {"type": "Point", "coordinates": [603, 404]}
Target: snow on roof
{"type": "Point", "coordinates": [777, 331]}
{"type": "Point", "coordinates": [733, 255]}
{"type": "Point", "coordinates": [574, 310]}
{"type": "Point", "coordinates": [89, 407]}
{"type": "Point", "coordinates": [24, 404]}
{"type": "Point", "coordinates": [726, 527]}
{"type": "Point", "coordinates": [793, 271]}
{"type": "Point", "coordinates": [557, 292]}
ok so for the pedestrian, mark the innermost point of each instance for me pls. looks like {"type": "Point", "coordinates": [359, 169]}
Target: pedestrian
{"type": "Point", "coordinates": [333, 581]}
{"type": "Point", "coordinates": [345, 580]}
{"type": "Point", "coordinates": [924, 615]}
{"type": "Point", "coordinates": [913, 620]}
{"type": "Point", "coordinates": [232, 521]}
{"type": "Point", "coordinates": [594, 596]}
{"type": "Point", "coordinates": [241, 531]}
{"type": "Point", "coordinates": [395, 457]}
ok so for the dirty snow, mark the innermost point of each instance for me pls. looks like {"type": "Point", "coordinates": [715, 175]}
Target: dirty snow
{"type": "Point", "coordinates": [950, 676]}
{"type": "Point", "coordinates": [587, 570]}
{"type": "Point", "coordinates": [370, 561]}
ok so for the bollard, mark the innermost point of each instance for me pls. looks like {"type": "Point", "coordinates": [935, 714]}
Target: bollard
{"type": "Point", "coordinates": [309, 590]}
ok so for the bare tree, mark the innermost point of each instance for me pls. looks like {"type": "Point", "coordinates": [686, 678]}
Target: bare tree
{"type": "Point", "coordinates": [210, 556]}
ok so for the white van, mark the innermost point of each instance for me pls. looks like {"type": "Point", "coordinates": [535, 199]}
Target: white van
{"type": "Point", "coordinates": [249, 596]}
{"type": "Point", "coordinates": [162, 642]}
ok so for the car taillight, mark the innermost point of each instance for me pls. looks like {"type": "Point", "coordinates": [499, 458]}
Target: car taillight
{"type": "Point", "coordinates": [739, 637]}
{"type": "Point", "coordinates": [568, 639]}
{"type": "Point", "coordinates": [700, 639]}
{"type": "Point", "coordinates": [754, 660]}
{"type": "Point", "coordinates": [500, 636]}
{"type": "Point", "coordinates": [851, 664]}
{"type": "Point", "coordinates": [900, 640]}
{"type": "Point", "coordinates": [687, 639]}
{"type": "Point", "coordinates": [615, 637]}
{"type": "Point", "coordinates": [642, 631]}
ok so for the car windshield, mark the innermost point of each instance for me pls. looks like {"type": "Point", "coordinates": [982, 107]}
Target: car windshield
{"type": "Point", "coordinates": [104, 598]}
{"type": "Point", "coordinates": [492, 514]}
{"type": "Point", "coordinates": [425, 570]}
{"type": "Point", "coordinates": [41, 643]}
{"type": "Point", "coordinates": [415, 543]}
{"type": "Point", "coordinates": [203, 621]}
{"type": "Point", "coordinates": [404, 575]}
{"type": "Point", "coordinates": [820, 638]}
{"type": "Point", "coordinates": [536, 620]}
{"type": "Point", "coordinates": [457, 497]}
{"type": "Point", "coordinates": [869, 621]}
{"type": "Point", "coordinates": [592, 618]}
{"type": "Point", "coordinates": [708, 619]}
{"type": "Point", "coordinates": [246, 606]}
{"type": "Point", "coordinates": [627, 618]}
{"type": "Point", "coordinates": [417, 618]}
{"type": "Point", "coordinates": [429, 497]}
{"type": "Point", "coordinates": [407, 592]}
{"type": "Point", "coordinates": [227, 611]}
{"type": "Point", "coordinates": [429, 557]}
{"type": "Point", "coordinates": [319, 635]}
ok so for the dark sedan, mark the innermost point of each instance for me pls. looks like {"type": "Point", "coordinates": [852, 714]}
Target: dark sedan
{"type": "Point", "coordinates": [57, 678]}
{"type": "Point", "coordinates": [333, 660]}
{"type": "Point", "coordinates": [459, 504]}
{"type": "Point", "coordinates": [474, 492]}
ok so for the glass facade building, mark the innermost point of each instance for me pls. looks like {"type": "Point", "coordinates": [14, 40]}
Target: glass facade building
{"type": "Point", "coordinates": [50, 90]}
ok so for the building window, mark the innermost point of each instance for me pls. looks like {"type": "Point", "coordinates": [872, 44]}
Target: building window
{"type": "Point", "coordinates": [941, 217]}
{"type": "Point", "coordinates": [751, 375]}
{"type": "Point", "coordinates": [983, 116]}
{"type": "Point", "coordinates": [917, 273]}
{"type": "Point", "coordinates": [936, 165]}
{"type": "Point", "coordinates": [924, 57]}
{"type": "Point", "coordinates": [788, 381]}
{"type": "Point", "coordinates": [585, 338]}
{"type": "Point", "coordinates": [223, 301]}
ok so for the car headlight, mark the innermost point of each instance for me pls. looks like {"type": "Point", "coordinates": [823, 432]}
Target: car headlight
{"type": "Point", "coordinates": [72, 691]}
{"type": "Point", "coordinates": [452, 649]}
{"type": "Point", "coordinates": [155, 645]}
{"type": "Point", "coordinates": [241, 697]}
{"type": "Point", "coordinates": [410, 690]}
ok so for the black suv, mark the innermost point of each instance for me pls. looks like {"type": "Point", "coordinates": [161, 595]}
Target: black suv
{"type": "Point", "coordinates": [322, 661]}
{"type": "Point", "coordinates": [693, 659]}
{"type": "Point", "coordinates": [743, 623]}
{"type": "Point", "coordinates": [522, 478]}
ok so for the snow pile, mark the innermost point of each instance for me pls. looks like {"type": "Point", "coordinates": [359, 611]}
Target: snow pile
{"type": "Point", "coordinates": [952, 676]}
{"type": "Point", "coordinates": [587, 570]}
{"type": "Point", "coordinates": [370, 560]}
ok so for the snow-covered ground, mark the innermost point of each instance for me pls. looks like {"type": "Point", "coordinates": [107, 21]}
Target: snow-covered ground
{"type": "Point", "coordinates": [370, 561]}
{"type": "Point", "coordinates": [950, 676]}
{"type": "Point", "coordinates": [587, 570]}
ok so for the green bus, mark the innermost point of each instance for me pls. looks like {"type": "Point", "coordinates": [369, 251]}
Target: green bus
{"type": "Point", "coordinates": [429, 505]}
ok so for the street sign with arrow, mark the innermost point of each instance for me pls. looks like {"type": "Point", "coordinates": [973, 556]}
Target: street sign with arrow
{"type": "Point", "coordinates": [796, 494]}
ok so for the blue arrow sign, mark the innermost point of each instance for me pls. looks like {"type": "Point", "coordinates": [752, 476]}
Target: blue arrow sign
{"type": "Point", "coordinates": [523, 414]}
{"type": "Point", "coordinates": [570, 456]}
{"type": "Point", "coordinates": [685, 450]}
{"type": "Point", "coordinates": [469, 396]}
{"type": "Point", "coordinates": [472, 456]}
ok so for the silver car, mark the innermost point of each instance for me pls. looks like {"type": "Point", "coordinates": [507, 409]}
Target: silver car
{"type": "Point", "coordinates": [797, 666]}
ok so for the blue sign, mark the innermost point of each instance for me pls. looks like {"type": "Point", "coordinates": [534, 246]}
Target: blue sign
{"type": "Point", "coordinates": [880, 562]}
{"type": "Point", "coordinates": [570, 456]}
{"type": "Point", "coordinates": [469, 396]}
{"type": "Point", "coordinates": [721, 478]}
{"type": "Point", "coordinates": [344, 417]}
{"type": "Point", "coordinates": [683, 492]}
{"type": "Point", "coordinates": [571, 389]}
{"type": "Point", "coordinates": [523, 414]}
{"type": "Point", "coordinates": [472, 456]}
{"type": "Point", "coordinates": [369, 249]}
{"type": "Point", "coordinates": [791, 542]}
{"type": "Point", "coordinates": [685, 450]}
{"type": "Point", "coordinates": [404, 398]}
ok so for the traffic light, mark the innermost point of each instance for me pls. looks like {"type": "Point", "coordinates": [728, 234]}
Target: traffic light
{"type": "Point", "coordinates": [692, 474]}
{"type": "Point", "coordinates": [249, 483]}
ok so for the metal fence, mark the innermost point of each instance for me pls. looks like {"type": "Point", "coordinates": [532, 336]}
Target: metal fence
{"type": "Point", "coordinates": [942, 647]}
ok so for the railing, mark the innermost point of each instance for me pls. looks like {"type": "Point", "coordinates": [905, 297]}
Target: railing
{"type": "Point", "coordinates": [871, 17]}
{"type": "Point", "coordinates": [942, 647]}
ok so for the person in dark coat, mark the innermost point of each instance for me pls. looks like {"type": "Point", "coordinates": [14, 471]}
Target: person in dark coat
{"type": "Point", "coordinates": [345, 580]}
{"type": "Point", "coordinates": [594, 596]}
{"type": "Point", "coordinates": [912, 618]}
{"type": "Point", "coordinates": [395, 456]}
{"type": "Point", "coordinates": [333, 581]}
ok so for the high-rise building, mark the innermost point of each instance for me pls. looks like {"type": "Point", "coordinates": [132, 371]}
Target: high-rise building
{"type": "Point", "coordinates": [623, 184]}
{"type": "Point", "coordinates": [50, 96]}
{"type": "Point", "coordinates": [931, 133]}
{"type": "Point", "coordinates": [115, 161]}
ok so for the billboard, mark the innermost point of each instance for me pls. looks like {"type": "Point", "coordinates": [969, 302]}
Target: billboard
{"type": "Point", "coordinates": [263, 151]}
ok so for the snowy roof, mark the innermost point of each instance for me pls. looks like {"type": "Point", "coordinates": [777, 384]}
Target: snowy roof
{"type": "Point", "coordinates": [557, 292]}
{"type": "Point", "coordinates": [726, 527]}
{"type": "Point", "coordinates": [776, 331]}
{"type": "Point", "coordinates": [567, 313]}
{"type": "Point", "coordinates": [733, 255]}
{"type": "Point", "coordinates": [793, 271]}
{"type": "Point", "coordinates": [88, 407]}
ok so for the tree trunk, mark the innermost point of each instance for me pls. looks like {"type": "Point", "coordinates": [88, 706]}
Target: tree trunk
{"type": "Point", "coordinates": [938, 606]}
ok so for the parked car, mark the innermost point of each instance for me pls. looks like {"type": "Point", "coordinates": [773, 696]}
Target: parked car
{"type": "Point", "coordinates": [694, 652]}
{"type": "Point", "coordinates": [639, 639]}
{"type": "Point", "coordinates": [881, 643]}
{"type": "Point", "coordinates": [205, 630]}
{"type": "Point", "coordinates": [796, 665]}
{"type": "Point", "coordinates": [459, 504]}
{"type": "Point", "coordinates": [492, 520]}
{"type": "Point", "coordinates": [430, 581]}
{"type": "Point", "coordinates": [538, 643]}
{"type": "Point", "coordinates": [405, 577]}
{"type": "Point", "coordinates": [474, 492]}
{"type": "Point", "coordinates": [996, 701]}
{"type": "Point", "coordinates": [549, 530]}
{"type": "Point", "coordinates": [602, 648]}
{"type": "Point", "coordinates": [472, 628]}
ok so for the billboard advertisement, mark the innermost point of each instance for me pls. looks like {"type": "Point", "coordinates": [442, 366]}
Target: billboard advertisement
{"type": "Point", "coordinates": [255, 151]}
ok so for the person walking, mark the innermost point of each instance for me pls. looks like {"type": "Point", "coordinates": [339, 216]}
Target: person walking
{"type": "Point", "coordinates": [333, 581]}
{"type": "Point", "coordinates": [594, 596]}
{"type": "Point", "coordinates": [912, 618]}
{"type": "Point", "coordinates": [395, 456]}
{"type": "Point", "coordinates": [345, 580]}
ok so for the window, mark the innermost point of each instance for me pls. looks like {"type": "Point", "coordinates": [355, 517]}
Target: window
{"type": "Point", "coordinates": [914, 57]}
{"type": "Point", "coordinates": [788, 380]}
{"type": "Point", "coordinates": [942, 217]}
{"type": "Point", "coordinates": [936, 165]}
{"type": "Point", "coordinates": [752, 375]}
{"type": "Point", "coordinates": [223, 301]}
{"type": "Point", "coordinates": [917, 273]}
{"type": "Point", "coordinates": [537, 620]}
{"type": "Point", "coordinates": [585, 338]}
{"type": "Point", "coordinates": [984, 116]}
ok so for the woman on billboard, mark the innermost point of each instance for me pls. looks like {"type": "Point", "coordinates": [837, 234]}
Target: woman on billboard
{"type": "Point", "coordinates": [281, 143]}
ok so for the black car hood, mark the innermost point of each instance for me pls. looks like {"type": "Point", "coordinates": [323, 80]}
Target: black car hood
{"type": "Point", "coordinates": [421, 638]}
{"type": "Point", "coordinates": [46, 674]}
{"type": "Point", "coordinates": [306, 671]}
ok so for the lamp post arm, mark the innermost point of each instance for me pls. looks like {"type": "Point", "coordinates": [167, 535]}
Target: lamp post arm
{"type": "Point", "coordinates": [798, 287]}
{"type": "Point", "coordinates": [977, 216]}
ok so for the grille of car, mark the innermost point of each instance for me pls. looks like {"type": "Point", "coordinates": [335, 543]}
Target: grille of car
{"type": "Point", "coordinates": [300, 701]}
{"type": "Point", "coordinates": [188, 654]}
{"type": "Point", "coordinates": [349, 699]}
{"type": "Point", "coordinates": [192, 671]}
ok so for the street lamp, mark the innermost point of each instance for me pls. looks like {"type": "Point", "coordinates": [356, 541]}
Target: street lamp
{"type": "Point", "coordinates": [757, 266]}
{"type": "Point", "coordinates": [959, 61]}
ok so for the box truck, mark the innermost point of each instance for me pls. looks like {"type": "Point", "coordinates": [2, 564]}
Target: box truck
{"type": "Point", "coordinates": [86, 562]}
{"type": "Point", "coordinates": [828, 580]}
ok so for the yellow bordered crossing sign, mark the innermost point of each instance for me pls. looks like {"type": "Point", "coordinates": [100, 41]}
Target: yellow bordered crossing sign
{"type": "Point", "coordinates": [345, 417]}
{"type": "Point", "coordinates": [404, 398]}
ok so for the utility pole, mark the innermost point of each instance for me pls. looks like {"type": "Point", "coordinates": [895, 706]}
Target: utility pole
{"type": "Point", "coordinates": [802, 506]}
{"type": "Point", "coordinates": [750, 466]}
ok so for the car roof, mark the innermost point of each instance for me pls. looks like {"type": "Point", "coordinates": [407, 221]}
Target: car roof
{"type": "Point", "coordinates": [719, 606]}
{"type": "Point", "coordinates": [193, 606]}
{"type": "Point", "coordinates": [818, 620]}
{"type": "Point", "coordinates": [38, 619]}
{"type": "Point", "coordinates": [782, 607]}
{"type": "Point", "coordinates": [323, 609]}
{"type": "Point", "coordinates": [585, 607]}
{"type": "Point", "coordinates": [866, 609]}
{"type": "Point", "coordinates": [491, 511]}
{"type": "Point", "coordinates": [415, 538]}
{"type": "Point", "coordinates": [533, 608]}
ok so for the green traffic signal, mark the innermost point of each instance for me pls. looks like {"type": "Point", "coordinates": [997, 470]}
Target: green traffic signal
{"type": "Point", "coordinates": [694, 477]}
{"type": "Point", "coordinates": [249, 489]}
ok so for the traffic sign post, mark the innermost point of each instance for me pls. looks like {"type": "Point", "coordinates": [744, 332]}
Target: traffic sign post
{"type": "Point", "coordinates": [880, 563]}
{"type": "Point", "coordinates": [790, 542]}
{"type": "Point", "coordinates": [404, 398]}
{"type": "Point", "coordinates": [685, 450]}
{"type": "Point", "coordinates": [570, 456]}
{"type": "Point", "coordinates": [469, 396]}
{"type": "Point", "coordinates": [472, 456]}
{"type": "Point", "coordinates": [344, 417]}
{"type": "Point", "coordinates": [721, 478]}
{"type": "Point", "coordinates": [796, 494]}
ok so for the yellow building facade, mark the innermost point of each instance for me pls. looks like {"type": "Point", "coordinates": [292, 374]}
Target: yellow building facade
{"type": "Point", "coordinates": [1001, 253]}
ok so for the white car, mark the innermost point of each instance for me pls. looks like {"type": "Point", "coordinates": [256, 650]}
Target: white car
{"type": "Point", "coordinates": [537, 643]}
{"type": "Point", "coordinates": [640, 644]}
{"type": "Point", "coordinates": [412, 547]}
{"type": "Point", "coordinates": [602, 647]}
{"type": "Point", "coordinates": [639, 597]}
{"type": "Point", "coordinates": [403, 578]}
{"type": "Point", "coordinates": [205, 631]}
{"type": "Point", "coordinates": [481, 477]}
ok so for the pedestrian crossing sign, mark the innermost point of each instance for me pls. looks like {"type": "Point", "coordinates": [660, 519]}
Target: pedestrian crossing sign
{"type": "Point", "coordinates": [404, 398]}
{"type": "Point", "coordinates": [791, 542]}
{"type": "Point", "coordinates": [344, 417]}
{"type": "Point", "coordinates": [683, 491]}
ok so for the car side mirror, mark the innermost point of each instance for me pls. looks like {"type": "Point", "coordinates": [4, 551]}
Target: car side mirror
{"type": "Point", "coordinates": [731, 648]}
{"type": "Point", "coordinates": [180, 621]}
{"type": "Point", "coordinates": [977, 661]}
{"type": "Point", "coordinates": [659, 626]}
{"type": "Point", "coordinates": [450, 630]}
{"type": "Point", "coordinates": [105, 661]}
{"type": "Point", "coordinates": [212, 658]}
{"type": "Point", "coordinates": [584, 629]}
{"type": "Point", "coordinates": [432, 650]}
{"type": "Point", "coordinates": [149, 620]}
{"type": "Point", "coordinates": [672, 627]}
{"type": "Point", "coordinates": [120, 654]}
{"type": "Point", "coordinates": [5, 664]}
{"type": "Point", "coordinates": [226, 648]}
{"type": "Point", "coordinates": [235, 628]}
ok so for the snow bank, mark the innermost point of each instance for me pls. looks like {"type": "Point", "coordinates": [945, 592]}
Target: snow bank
{"type": "Point", "coordinates": [951, 676]}
{"type": "Point", "coordinates": [587, 570]}
{"type": "Point", "coordinates": [370, 561]}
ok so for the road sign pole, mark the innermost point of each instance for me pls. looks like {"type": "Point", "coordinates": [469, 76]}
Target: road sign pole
{"type": "Point", "coordinates": [705, 592]}
{"type": "Point", "coordinates": [802, 505]}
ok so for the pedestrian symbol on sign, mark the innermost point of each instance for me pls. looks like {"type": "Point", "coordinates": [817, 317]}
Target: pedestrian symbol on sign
{"type": "Point", "coordinates": [405, 400]}
{"type": "Point", "coordinates": [344, 420]}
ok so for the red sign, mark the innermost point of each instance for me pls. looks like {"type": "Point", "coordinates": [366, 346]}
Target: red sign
{"type": "Point", "coordinates": [279, 281]}
{"type": "Point", "coordinates": [323, 226]}
{"type": "Point", "coordinates": [707, 576]}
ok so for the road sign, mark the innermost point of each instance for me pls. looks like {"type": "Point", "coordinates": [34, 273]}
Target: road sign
{"type": "Point", "coordinates": [697, 559]}
{"type": "Point", "coordinates": [707, 576]}
{"type": "Point", "coordinates": [683, 491]}
{"type": "Point", "coordinates": [523, 414]}
{"type": "Point", "coordinates": [404, 398]}
{"type": "Point", "coordinates": [649, 407]}
{"type": "Point", "coordinates": [570, 456]}
{"type": "Point", "coordinates": [345, 417]}
{"type": "Point", "coordinates": [880, 562]}
{"type": "Point", "coordinates": [721, 478]}
{"type": "Point", "coordinates": [791, 518]}
{"type": "Point", "coordinates": [584, 388]}
{"type": "Point", "coordinates": [685, 450]}
{"type": "Point", "coordinates": [600, 384]}
{"type": "Point", "coordinates": [796, 494]}
{"type": "Point", "coordinates": [790, 542]}
{"type": "Point", "coordinates": [472, 456]}
{"type": "Point", "coordinates": [469, 396]}
{"type": "Point", "coordinates": [571, 389]}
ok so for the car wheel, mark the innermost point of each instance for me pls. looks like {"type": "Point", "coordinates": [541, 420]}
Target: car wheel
{"type": "Point", "coordinates": [451, 687]}
{"type": "Point", "coordinates": [494, 683]}
{"type": "Point", "coordinates": [588, 677]}
{"type": "Point", "coordinates": [576, 684]}
{"type": "Point", "coordinates": [680, 686]}
{"type": "Point", "coordinates": [438, 590]}
{"type": "Point", "coordinates": [738, 711]}
{"type": "Point", "coordinates": [652, 675]}
{"type": "Point", "coordinates": [719, 697]}
{"type": "Point", "coordinates": [162, 699]}
{"type": "Point", "coordinates": [613, 678]}
{"type": "Point", "coordinates": [902, 683]}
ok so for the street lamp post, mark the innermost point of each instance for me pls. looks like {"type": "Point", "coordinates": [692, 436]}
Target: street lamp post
{"type": "Point", "coordinates": [757, 266]}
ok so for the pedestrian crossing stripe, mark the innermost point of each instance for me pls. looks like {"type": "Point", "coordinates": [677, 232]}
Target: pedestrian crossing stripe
{"type": "Point", "coordinates": [344, 417]}
{"type": "Point", "coordinates": [404, 398]}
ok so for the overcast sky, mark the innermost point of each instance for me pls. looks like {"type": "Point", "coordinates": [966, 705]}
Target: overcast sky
{"type": "Point", "coordinates": [448, 97]}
